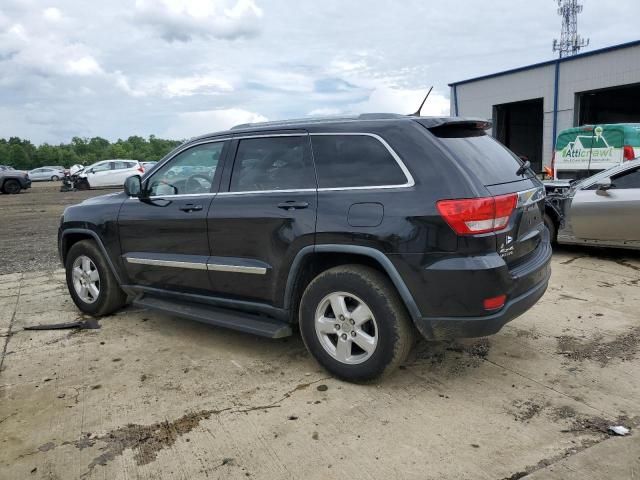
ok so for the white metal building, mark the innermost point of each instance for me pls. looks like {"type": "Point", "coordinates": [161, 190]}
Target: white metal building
{"type": "Point", "coordinates": [530, 105]}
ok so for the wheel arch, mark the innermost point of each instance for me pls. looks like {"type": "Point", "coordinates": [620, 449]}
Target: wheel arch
{"type": "Point", "coordinates": [71, 236]}
{"type": "Point", "coordinates": [314, 259]}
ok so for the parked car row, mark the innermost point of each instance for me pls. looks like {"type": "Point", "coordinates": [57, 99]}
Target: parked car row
{"type": "Point", "coordinates": [52, 174]}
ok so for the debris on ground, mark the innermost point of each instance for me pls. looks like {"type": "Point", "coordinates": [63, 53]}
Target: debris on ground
{"type": "Point", "coordinates": [90, 324]}
{"type": "Point", "coordinates": [526, 410]}
{"type": "Point", "coordinates": [624, 347]}
{"type": "Point", "coordinates": [619, 430]}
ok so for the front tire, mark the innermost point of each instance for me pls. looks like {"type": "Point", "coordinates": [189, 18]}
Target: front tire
{"type": "Point", "coordinates": [11, 187]}
{"type": "Point", "coordinates": [92, 285]}
{"type": "Point", "coordinates": [354, 323]}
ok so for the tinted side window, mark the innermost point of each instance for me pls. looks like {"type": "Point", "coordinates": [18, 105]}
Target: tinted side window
{"type": "Point", "coordinates": [274, 163]}
{"type": "Point", "coordinates": [122, 165]}
{"type": "Point", "coordinates": [630, 179]}
{"type": "Point", "coordinates": [189, 172]}
{"type": "Point", "coordinates": [344, 161]}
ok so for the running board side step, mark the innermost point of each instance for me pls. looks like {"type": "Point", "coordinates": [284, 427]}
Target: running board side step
{"type": "Point", "coordinates": [244, 322]}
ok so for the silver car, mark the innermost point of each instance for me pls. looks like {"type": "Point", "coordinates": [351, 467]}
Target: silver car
{"type": "Point", "coordinates": [46, 173]}
{"type": "Point", "coordinates": [602, 210]}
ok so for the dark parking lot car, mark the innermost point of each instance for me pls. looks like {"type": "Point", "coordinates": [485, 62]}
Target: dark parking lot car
{"type": "Point", "coordinates": [360, 231]}
{"type": "Point", "coordinates": [13, 181]}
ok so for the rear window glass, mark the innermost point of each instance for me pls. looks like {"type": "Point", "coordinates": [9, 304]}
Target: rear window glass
{"type": "Point", "coordinates": [344, 161]}
{"type": "Point", "coordinates": [487, 158]}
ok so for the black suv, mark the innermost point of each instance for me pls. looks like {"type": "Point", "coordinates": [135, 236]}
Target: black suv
{"type": "Point", "coordinates": [358, 230]}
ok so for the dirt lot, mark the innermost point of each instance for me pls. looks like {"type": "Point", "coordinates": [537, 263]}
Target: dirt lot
{"type": "Point", "coordinates": [29, 226]}
{"type": "Point", "coordinates": [151, 396]}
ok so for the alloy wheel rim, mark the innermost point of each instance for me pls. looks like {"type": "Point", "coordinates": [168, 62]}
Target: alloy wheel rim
{"type": "Point", "coordinates": [346, 328]}
{"type": "Point", "coordinates": [86, 279]}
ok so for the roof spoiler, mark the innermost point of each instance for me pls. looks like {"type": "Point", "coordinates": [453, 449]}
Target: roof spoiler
{"type": "Point", "coordinates": [464, 122]}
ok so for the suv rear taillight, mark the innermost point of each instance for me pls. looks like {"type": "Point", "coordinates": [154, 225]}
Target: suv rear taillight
{"type": "Point", "coordinates": [468, 216]}
{"type": "Point", "coordinates": [628, 153]}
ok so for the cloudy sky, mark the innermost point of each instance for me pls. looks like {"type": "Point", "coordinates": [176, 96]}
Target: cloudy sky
{"type": "Point", "coordinates": [178, 68]}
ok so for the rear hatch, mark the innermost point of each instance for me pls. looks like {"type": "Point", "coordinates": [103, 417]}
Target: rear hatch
{"type": "Point", "coordinates": [518, 194]}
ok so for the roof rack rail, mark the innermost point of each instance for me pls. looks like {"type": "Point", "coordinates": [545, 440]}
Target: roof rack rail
{"type": "Point", "coordinates": [336, 118]}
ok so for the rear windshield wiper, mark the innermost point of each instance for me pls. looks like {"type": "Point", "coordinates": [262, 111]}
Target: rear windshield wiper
{"type": "Point", "coordinates": [523, 168]}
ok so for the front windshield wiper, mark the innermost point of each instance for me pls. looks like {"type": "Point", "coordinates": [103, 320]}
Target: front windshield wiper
{"type": "Point", "coordinates": [523, 168]}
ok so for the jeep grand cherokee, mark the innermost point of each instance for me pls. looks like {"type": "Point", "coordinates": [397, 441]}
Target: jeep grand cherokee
{"type": "Point", "coordinates": [361, 231]}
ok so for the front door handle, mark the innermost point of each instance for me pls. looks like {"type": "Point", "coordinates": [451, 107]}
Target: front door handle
{"type": "Point", "coordinates": [190, 207]}
{"type": "Point", "coordinates": [293, 205]}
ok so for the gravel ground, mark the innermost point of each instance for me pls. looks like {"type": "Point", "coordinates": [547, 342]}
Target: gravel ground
{"type": "Point", "coordinates": [29, 226]}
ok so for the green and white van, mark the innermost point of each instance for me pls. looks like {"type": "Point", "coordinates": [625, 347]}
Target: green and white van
{"type": "Point", "coordinates": [583, 151]}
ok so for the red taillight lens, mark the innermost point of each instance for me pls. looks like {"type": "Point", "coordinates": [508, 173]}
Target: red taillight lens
{"type": "Point", "coordinates": [468, 216]}
{"type": "Point", "coordinates": [494, 303]}
{"type": "Point", "coordinates": [140, 168]}
{"type": "Point", "coordinates": [628, 153]}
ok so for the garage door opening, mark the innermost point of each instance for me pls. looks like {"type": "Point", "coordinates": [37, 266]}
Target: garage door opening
{"type": "Point", "coordinates": [519, 126]}
{"type": "Point", "coordinates": [611, 105]}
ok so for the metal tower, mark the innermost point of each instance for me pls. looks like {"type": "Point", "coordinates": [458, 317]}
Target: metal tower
{"type": "Point", "coordinates": [570, 42]}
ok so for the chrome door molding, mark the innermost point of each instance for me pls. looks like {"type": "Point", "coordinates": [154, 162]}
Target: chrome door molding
{"type": "Point", "coordinates": [212, 264]}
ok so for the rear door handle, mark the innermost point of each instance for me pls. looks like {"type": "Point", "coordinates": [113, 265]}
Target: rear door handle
{"type": "Point", "coordinates": [293, 205]}
{"type": "Point", "coordinates": [190, 207]}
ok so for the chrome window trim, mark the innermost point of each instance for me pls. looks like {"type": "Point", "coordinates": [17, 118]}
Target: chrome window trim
{"type": "Point", "coordinates": [407, 174]}
{"type": "Point", "coordinates": [216, 267]}
{"type": "Point", "coordinates": [180, 195]}
{"type": "Point", "coordinates": [254, 192]}
{"type": "Point", "coordinates": [167, 263]}
{"type": "Point", "coordinates": [159, 165]}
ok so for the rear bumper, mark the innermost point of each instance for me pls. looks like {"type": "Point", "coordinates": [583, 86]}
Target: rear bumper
{"type": "Point", "coordinates": [449, 293]}
{"type": "Point", "coordinates": [440, 328]}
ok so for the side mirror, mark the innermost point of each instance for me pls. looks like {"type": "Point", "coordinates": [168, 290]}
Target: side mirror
{"type": "Point", "coordinates": [133, 186]}
{"type": "Point", "coordinates": [603, 185]}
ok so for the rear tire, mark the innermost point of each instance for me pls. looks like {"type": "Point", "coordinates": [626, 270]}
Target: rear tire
{"type": "Point", "coordinates": [55, 178]}
{"type": "Point", "coordinates": [11, 186]}
{"type": "Point", "coordinates": [374, 317]}
{"type": "Point", "coordinates": [551, 226]}
{"type": "Point", "coordinates": [92, 285]}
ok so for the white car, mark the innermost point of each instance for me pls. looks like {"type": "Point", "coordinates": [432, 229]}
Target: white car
{"type": "Point", "coordinates": [110, 173]}
{"type": "Point", "coordinates": [46, 173]}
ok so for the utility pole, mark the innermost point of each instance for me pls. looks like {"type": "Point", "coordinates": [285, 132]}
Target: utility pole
{"type": "Point", "coordinates": [570, 42]}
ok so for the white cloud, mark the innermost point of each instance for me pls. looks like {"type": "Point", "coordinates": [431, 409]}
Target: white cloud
{"type": "Point", "coordinates": [325, 112]}
{"type": "Point", "coordinates": [191, 124]}
{"type": "Point", "coordinates": [196, 85]}
{"type": "Point", "coordinates": [201, 84]}
{"type": "Point", "coordinates": [52, 14]}
{"type": "Point", "coordinates": [182, 20]}
{"type": "Point", "coordinates": [85, 65]}
{"type": "Point", "coordinates": [401, 100]}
